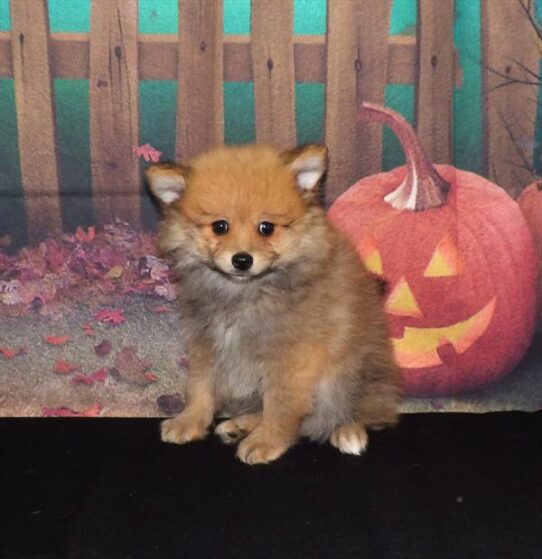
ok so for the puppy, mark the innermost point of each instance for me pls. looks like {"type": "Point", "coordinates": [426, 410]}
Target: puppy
{"type": "Point", "coordinates": [284, 327]}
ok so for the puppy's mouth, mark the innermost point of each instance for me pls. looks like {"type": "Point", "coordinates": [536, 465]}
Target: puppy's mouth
{"type": "Point", "coordinates": [240, 277]}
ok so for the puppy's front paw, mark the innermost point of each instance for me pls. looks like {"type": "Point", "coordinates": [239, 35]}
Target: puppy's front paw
{"type": "Point", "coordinates": [182, 429]}
{"type": "Point", "coordinates": [259, 449]}
{"type": "Point", "coordinates": [350, 439]}
{"type": "Point", "coordinates": [232, 431]}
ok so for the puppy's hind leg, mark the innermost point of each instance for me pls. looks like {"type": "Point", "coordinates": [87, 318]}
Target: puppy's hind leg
{"type": "Point", "coordinates": [351, 438]}
{"type": "Point", "coordinates": [233, 430]}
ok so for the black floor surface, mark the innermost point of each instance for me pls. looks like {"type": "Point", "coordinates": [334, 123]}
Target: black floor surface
{"type": "Point", "coordinates": [438, 486]}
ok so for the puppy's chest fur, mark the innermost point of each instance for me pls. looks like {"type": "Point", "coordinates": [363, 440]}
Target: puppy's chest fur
{"type": "Point", "coordinates": [241, 338]}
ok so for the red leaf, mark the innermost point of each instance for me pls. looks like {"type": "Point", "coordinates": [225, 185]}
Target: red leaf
{"type": "Point", "coordinates": [147, 152]}
{"type": "Point", "coordinates": [88, 329]}
{"type": "Point", "coordinates": [103, 349]}
{"type": "Point", "coordinates": [110, 316]}
{"type": "Point", "coordinates": [130, 367]}
{"type": "Point", "coordinates": [83, 237]}
{"type": "Point", "coordinates": [151, 377]}
{"type": "Point", "coordinates": [92, 411]}
{"type": "Point", "coordinates": [99, 376]}
{"type": "Point", "coordinates": [161, 309]}
{"type": "Point", "coordinates": [62, 367]}
{"type": "Point", "coordinates": [56, 340]}
{"type": "Point", "coordinates": [64, 411]}
{"type": "Point", "coordinates": [82, 379]}
{"type": "Point", "coordinates": [10, 353]}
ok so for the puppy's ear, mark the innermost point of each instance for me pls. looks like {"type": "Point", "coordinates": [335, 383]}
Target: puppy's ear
{"type": "Point", "coordinates": [167, 181]}
{"type": "Point", "coordinates": [309, 164]}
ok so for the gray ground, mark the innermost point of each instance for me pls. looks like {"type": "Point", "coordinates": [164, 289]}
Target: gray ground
{"type": "Point", "coordinates": [28, 383]}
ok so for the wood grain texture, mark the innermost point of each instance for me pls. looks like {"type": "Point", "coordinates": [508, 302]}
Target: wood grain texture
{"type": "Point", "coordinates": [435, 80]}
{"type": "Point", "coordinates": [511, 52]}
{"type": "Point", "coordinates": [200, 105]}
{"type": "Point", "coordinates": [114, 116]}
{"type": "Point", "coordinates": [35, 116]}
{"type": "Point", "coordinates": [273, 69]}
{"type": "Point", "coordinates": [357, 57]}
{"type": "Point", "coordinates": [158, 57]}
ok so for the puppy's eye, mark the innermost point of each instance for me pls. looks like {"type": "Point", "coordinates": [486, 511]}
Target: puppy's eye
{"type": "Point", "coordinates": [266, 229]}
{"type": "Point", "coordinates": [220, 227]}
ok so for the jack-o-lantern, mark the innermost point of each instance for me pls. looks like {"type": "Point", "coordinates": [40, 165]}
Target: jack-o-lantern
{"type": "Point", "coordinates": [530, 203]}
{"type": "Point", "coordinates": [459, 261]}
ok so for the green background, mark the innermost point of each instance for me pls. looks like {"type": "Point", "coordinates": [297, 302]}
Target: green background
{"type": "Point", "coordinates": [158, 101]}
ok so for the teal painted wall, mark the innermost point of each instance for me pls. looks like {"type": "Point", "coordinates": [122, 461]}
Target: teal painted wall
{"type": "Point", "coordinates": [158, 98]}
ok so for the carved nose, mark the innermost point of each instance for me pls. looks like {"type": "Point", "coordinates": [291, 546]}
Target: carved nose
{"type": "Point", "coordinates": [242, 261]}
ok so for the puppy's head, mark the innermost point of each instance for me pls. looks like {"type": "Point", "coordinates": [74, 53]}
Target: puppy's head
{"type": "Point", "coordinates": [240, 211]}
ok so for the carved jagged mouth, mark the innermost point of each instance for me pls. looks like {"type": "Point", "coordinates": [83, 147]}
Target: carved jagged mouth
{"type": "Point", "coordinates": [418, 347]}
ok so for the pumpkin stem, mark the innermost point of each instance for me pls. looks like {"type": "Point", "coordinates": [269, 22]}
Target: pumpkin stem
{"type": "Point", "coordinates": [422, 188]}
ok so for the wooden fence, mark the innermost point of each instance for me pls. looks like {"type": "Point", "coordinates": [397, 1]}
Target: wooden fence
{"type": "Point", "coordinates": [355, 60]}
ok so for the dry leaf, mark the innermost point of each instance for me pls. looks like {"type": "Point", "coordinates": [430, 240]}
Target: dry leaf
{"type": "Point", "coordinates": [92, 411]}
{"type": "Point", "coordinates": [103, 349]}
{"type": "Point", "coordinates": [111, 316]}
{"type": "Point", "coordinates": [115, 272]}
{"type": "Point", "coordinates": [62, 367]}
{"type": "Point", "coordinates": [56, 340]}
{"type": "Point", "coordinates": [130, 367]}
{"type": "Point", "coordinates": [10, 353]}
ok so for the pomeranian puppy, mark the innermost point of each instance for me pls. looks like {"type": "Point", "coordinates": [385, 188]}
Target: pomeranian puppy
{"type": "Point", "coordinates": [285, 331]}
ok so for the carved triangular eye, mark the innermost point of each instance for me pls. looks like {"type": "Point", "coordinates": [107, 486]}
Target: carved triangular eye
{"type": "Point", "coordinates": [401, 301]}
{"type": "Point", "coordinates": [370, 255]}
{"type": "Point", "coordinates": [445, 261]}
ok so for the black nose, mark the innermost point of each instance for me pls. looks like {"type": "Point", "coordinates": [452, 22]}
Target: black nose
{"type": "Point", "coordinates": [242, 261]}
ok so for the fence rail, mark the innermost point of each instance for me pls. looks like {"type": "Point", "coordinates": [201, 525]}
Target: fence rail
{"type": "Point", "coordinates": [355, 60]}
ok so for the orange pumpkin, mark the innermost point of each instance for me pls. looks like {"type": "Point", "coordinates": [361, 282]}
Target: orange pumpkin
{"type": "Point", "coordinates": [459, 260]}
{"type": "Point", "coordinates": [530, 203]}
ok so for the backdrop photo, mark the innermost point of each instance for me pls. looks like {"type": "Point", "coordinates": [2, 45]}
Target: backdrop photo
{"type": "Point", "coordinates": [431, 111]}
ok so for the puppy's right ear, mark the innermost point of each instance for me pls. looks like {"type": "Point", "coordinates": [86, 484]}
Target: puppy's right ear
{"type": "Point", "coordinates": [167, 181]}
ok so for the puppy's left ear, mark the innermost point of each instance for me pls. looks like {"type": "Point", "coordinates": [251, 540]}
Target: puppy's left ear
{"type": "Point", "coordinates": [309, 164]}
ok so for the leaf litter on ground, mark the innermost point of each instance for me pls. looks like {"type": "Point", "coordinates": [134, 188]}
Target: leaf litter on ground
{"type": "Point", "coordinates": [88, 265]}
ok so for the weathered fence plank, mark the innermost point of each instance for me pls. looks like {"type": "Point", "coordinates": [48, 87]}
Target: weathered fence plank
{"type": "Point", "coordinates": [158, 56]}
{"type": "Point", "coordinates": [35, 116]}
{"type": "Point", "coordinates": [200, 100]}
{"type": "Point", "coordinates": [114, 113]}
{"type": "Point", "coordinates": [511, 56]}
{"type": "Point", "coordinates": [435, 81]}
{"type": "Point", "coordinates": [273, 69]}
{"type": "Point", "coordinates": [357, 57]}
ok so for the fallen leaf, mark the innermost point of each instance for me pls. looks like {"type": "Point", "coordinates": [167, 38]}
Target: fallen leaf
{"type": "Point", "coordinates": [83, 237]}
{"type": "Point", "coordinates": [62, 367]}
{"type": "Point", "coordinates": [56, 340]}
{"type": "Point", "coordinates": [147, 152]}
{"type": "Point", "coordinates": [99, 376]}
{"type": "Point", "coordinates": [110, 316]}
{"type": "Point", "coordinates": [151, 377]}
{"type": "Point", "coordinates": [130, 367]}
{"type": "Point", "coordinates": [88, 329]}
{"type": "Point", "coordinates": [161, 309]}
{"type": "Point", "coordinates": [103, 349]}
{"type": "Point", "coordinates": [115, 272]}
{"type": "Point", "coordinates": [10, 353]}
{"type": "Point", "coordinates": [92, 411]}
{"type": "Point", "coordinates": [168, 291]}
{"type": "Point", "coordinates": [170, 404]}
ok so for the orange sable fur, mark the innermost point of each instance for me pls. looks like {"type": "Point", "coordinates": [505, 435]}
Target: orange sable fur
{"type": "Point", "coordinates": [286, 333]}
